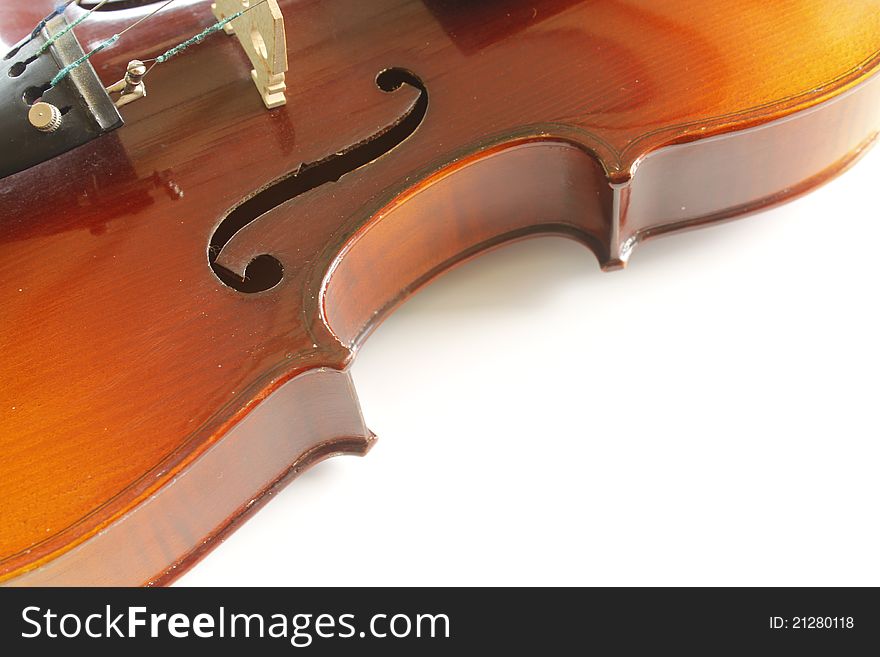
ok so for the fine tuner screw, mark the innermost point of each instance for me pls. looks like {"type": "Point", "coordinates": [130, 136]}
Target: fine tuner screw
{"type": "Point", "coordinates": [134, 72]}
{"type": "Point", "coordinates": [131, 86]}
{"type": "Point", "coordinates": [45, 117]}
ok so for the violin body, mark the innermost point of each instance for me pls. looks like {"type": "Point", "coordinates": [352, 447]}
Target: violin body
{"type": "Point", "coordinates": [182, 298]}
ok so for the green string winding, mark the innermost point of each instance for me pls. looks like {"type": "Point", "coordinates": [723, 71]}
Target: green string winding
{"type": "Point", "coordinates": [64, 72]}
{"type": "Point", "coordinates": [164, 57]}
{"type": "Point", "coordinates": [198, 38]}
{"type": "Point", "coordinates": [61, 33]}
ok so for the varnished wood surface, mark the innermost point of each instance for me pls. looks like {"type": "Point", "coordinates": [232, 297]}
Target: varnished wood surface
{"type": "Point", "coordinates": [125, 362]}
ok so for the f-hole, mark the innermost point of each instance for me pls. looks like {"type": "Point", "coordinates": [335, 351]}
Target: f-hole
{"type": "Point", "coordinates": [265, 271]}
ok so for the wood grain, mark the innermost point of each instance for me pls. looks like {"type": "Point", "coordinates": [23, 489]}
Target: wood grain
{"type": "Point", "coordinates": [132, 377]}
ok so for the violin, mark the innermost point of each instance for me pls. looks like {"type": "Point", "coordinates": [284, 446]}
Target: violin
{"type": "Point", "coordinates": [206, 208]}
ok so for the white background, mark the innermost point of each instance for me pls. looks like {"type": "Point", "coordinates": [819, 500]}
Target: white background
{"type": "Point", "coordinates": [706, 417]}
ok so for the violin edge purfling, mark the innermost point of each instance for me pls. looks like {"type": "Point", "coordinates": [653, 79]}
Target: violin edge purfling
{"type": "Point", "coordinates": [201, 399]}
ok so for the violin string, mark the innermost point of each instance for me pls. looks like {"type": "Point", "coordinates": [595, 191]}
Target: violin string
{"type": "Point", "coordinates": [147, 17]}
{"type": "Point", "coordinates": [64, 72]}
{"type": "Point", "coordinates": [198, 38]}
{"type": "Point", "coordinates": [67, 29]}
{"type": "Point", "coordinates": [59, 9]}
{"type": "Point", "coordinates": [171, 52]}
